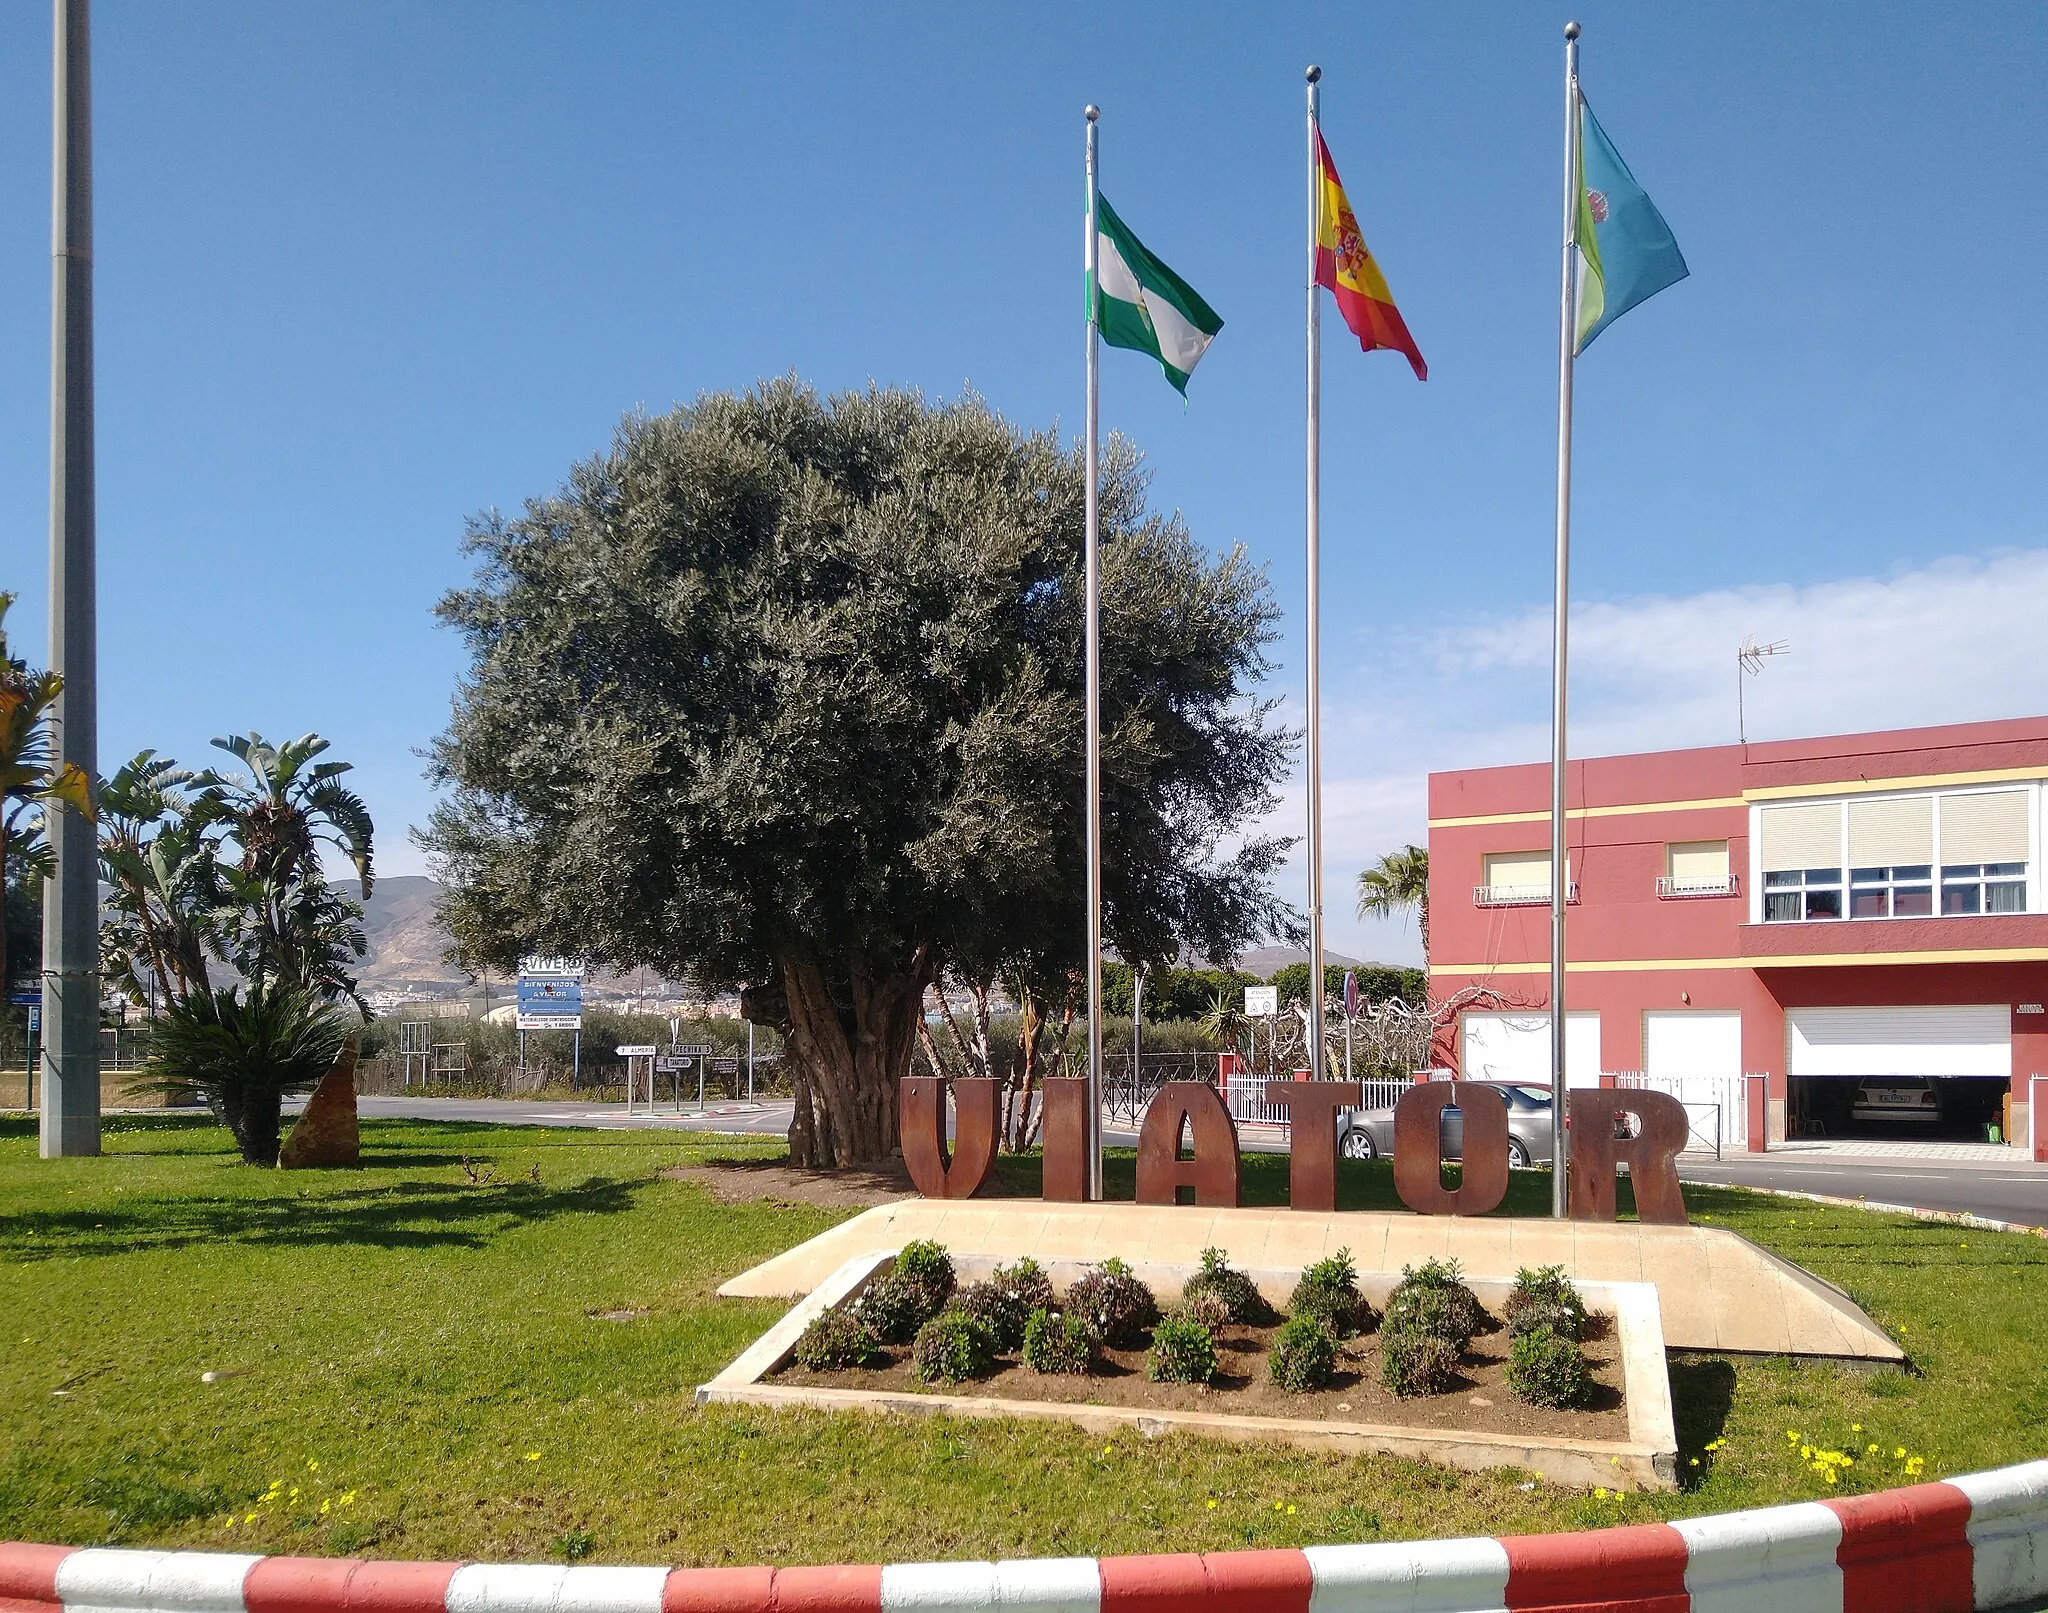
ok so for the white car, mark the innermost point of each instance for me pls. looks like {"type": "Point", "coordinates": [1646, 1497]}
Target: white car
{"type": "Point", "coordinates": [1905, 1098]}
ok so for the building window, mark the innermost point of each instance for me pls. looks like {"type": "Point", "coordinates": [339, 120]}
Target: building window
{"type": "Point", "coordinates": [1803, 893]}
{"type": "Point", "coordinates": [1902, 892]}
{"type": "Point", "coordinates": [1696, 868]}
{"type": "Point", "coordinates": [1948, 854]}
{"type": "Point", "coordinates": [1983, 887]}
{"type": "Point", "coordinates": [1518, 879]}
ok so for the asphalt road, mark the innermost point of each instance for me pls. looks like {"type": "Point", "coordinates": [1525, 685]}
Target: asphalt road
{"type": "Point", "coordinates": [2016, 1192]}
{"type": "Point", "coordinates": [2004, 1192]}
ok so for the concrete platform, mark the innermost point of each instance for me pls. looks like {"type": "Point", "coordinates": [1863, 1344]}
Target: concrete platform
{"type": "Point", "coordinates": [1716, 1290]}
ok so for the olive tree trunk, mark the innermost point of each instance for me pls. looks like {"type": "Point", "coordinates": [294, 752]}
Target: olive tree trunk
{"type": "Point", "coordinates": [846, 1057]}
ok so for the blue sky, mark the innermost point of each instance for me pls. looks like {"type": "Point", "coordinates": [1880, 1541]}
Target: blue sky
{"type": "Point", "coordinates": [364, 270]}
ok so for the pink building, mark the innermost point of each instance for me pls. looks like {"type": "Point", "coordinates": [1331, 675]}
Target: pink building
{"type": "Point", "coordinates": [1862, 920]}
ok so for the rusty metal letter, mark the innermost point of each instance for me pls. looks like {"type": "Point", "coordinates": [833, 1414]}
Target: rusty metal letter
{"type": "Point", "coordinates": [1652, 1154]}
{"type": "Point", "coordinates": [1212, 1173]}
{"type": "Point", "coordinates": [1418, 1154]}
{"type": "Point", "coordinates": [1065, 1155]}
{"type": "Point", "coordinates": [1312, 1137]}
{"type": "Point", "coordinates": [922, 1106]}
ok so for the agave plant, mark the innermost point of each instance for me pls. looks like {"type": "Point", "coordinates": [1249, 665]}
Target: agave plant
{"type": "Point", "coordinates": [33, 782]}
{"type": "Point", "coordinates": [246, 1052]}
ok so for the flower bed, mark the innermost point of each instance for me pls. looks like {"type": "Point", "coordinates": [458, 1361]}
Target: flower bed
{"type": "Point", "coordinates": [1164, 1350]}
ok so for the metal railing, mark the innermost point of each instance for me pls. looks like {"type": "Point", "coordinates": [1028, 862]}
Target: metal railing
{"type": "Point", "coordinates": [1716, 1107]}
{"type": "Point", "coordinates": [1127, 1094]}
{"type": "Point", "coordinates": [1671, 885]}
{"type": "Point", "coordinates": [1520, 895]}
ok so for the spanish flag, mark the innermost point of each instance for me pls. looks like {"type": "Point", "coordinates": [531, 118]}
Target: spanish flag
{"type": "Point", "coordinates": [1346, 266]}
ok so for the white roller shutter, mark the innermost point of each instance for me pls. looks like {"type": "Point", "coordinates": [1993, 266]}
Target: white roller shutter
{"type": "Point", "coordinates": [1893, 832]}
{"type": "Point", "coordinates": [1985, 828]}
{"type": "Point", "coordinates": [1697, 862]}
{"type": "Point", "coordinates": [1802, 836]}
{"type": "Point", "coordinates": [1692, 1045]}
{"type": "Point", "coordinates": [1516, 1047]}
{"type": "Point", "coordinates": [1949, 1039]}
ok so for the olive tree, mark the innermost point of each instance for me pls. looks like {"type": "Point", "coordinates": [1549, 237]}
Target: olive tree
{"type": "Point", "coordinates": [785, 692]}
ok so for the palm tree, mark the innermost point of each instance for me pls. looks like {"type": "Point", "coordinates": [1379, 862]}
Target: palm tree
{"type": "Point", "coordinates": [1397, 882]}
{"type": "Point", "coordinates": [33, 783]}
{"type": "Point", "coordinates": [284, 921]}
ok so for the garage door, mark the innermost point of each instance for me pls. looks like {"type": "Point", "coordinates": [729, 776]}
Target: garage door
{"type": "Point", "coordinates": [1692, 1046]}
{"type": "Point", "coordinates": [1966, 1039]}
{"type": "Point", "coordinates": [1516, 1047]}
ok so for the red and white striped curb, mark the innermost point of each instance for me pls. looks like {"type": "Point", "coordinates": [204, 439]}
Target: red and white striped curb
{"type": "Point", "coordinates": [1977, 1542]}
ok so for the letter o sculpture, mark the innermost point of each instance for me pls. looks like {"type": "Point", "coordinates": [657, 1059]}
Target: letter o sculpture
{"type": "Point", "coordinates": [1418, 1148]}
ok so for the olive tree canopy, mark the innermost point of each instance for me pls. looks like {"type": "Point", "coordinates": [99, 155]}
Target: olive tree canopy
{"type": "Point", "coordinates": [785, 693]}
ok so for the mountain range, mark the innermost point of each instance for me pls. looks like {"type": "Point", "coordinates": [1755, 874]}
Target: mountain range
{"type": "Point", "coordinates": [407, 942]}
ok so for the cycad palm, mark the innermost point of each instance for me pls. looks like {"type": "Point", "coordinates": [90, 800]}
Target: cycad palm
{"type": "Point", "coordinates": [1394, 884]}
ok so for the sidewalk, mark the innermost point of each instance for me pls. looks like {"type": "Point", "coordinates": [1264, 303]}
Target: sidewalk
{"type": "Point", "coordinates": [1990, 1156]}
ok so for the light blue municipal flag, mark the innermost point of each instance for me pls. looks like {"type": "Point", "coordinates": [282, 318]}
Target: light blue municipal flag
{"type": "Point", "coordinates": [1627, 252]}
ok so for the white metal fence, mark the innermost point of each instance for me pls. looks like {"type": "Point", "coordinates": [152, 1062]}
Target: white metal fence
{"type": "Point", "coordinates": [1716, 1107]}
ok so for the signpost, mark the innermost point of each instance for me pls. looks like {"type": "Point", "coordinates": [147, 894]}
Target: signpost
{"type": "Point", "coordinates": [632, 1056]}
{"type": "Point", "coordinates": [1263, 1002]}
{"type": "Point", "coordinates": [680, 1060]}
{"type": "Point", "coordinates": [551, 999]}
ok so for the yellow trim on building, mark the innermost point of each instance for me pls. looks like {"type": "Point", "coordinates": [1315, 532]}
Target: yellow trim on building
{"type": "Point", "coordinates": [1588, 812]}
{"type": "Point", "coordinates": [1791, 961]}
{"type": "Point", "coordinates": [1882, 786]}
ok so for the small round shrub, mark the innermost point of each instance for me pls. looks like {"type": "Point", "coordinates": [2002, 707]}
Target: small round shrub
{"type": "Point", "coordinates": [1206, 1306]}
{"type": "Point", "coordinates": [951, 1347]}
{"type": "Point", "coordinates": [894, 1308]}
{"type": "Point", "coordinates": [1114, 1304]}
{"type": "Point", "coordinates": [1183, 1351]}
{"type": "Point", "coordinates": [1433, 1298]}
{"type": "Point", "coordinates": [1328, 1291]}
{"type": "Point", "coordinates": [1547, 1369]}
{"type": "Point", "coordinates": [835, 1341]}
{"type": "Point", "coordinates": [1027, 1283]}
{"type": "Point", "coordinates": [1413, 1362]}
{"type": "Point", "coordinates": [1240, 1298]}
{"type": "Point", "coordinates": [996, 1309]}
{"type": "Point", "coordinates": [1545, 1297]}
{"type": "Point", "coordinates": [927, 1267]}
{"type": "Point", "coordinates": [1058, 1343]}
{"type": "Point", "coordinates": [1304, 1354]}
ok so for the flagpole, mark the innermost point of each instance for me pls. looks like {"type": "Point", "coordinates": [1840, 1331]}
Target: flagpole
{"type": "Point", "coordinates": [1315, 614]}
{"type": "Point", "coordinates": [1560, 891]}
{"type": "Point", "coordinates": [1093, 545]}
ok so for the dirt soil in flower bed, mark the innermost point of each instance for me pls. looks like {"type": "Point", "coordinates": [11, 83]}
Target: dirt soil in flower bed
{"type": "Point", "coordinates": [1479, 1401]}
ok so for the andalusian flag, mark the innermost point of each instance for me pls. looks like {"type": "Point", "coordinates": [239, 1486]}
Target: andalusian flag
{"type": "Point", "coordinates": [1627, 253]}
{"type": "Point", "coordinates": [1142, 304]}
{"type": "Point", "coordinates": [1346, 266]}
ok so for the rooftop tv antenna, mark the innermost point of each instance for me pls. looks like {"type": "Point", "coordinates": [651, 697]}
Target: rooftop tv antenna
{"type": "Point", "coordinates": [1749, 661]}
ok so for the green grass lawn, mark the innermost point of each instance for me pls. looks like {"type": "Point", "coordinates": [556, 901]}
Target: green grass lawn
{"type": "Point", "coordinates": [421, 1371]}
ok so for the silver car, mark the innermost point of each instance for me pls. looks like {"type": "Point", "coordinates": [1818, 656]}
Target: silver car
{"type": "Point", "coordinates": [1369, 1133]}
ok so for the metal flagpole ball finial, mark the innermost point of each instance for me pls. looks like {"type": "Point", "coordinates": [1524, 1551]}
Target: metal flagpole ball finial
{"type": "Point", "coordinates": [1571, 30]}
{"type": "Point", "coordinates": [1314, 74]}
{"type": "Point", "coordinates": [1092, 112]}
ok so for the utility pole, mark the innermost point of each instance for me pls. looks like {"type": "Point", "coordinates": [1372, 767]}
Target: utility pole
{"type": "Point", "coordinates": [71, 898]}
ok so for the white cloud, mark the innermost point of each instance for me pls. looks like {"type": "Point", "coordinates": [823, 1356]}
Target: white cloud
{"type": "Point", "coordinates": [1953, 641]}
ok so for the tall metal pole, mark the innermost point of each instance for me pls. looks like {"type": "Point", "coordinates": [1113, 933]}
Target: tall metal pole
{"type": "Point", "coordinates": [1560, 891]}
{"type": "Point", "coordinates": [1092, 471]}
{"type": "Point", "coordinates": [71, 898]}
{"type": "Point", "coordinates": [1315, 589]}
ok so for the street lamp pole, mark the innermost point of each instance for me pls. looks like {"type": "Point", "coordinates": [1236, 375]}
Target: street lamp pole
{"type": "Point", "coordinates": [71, 901]}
